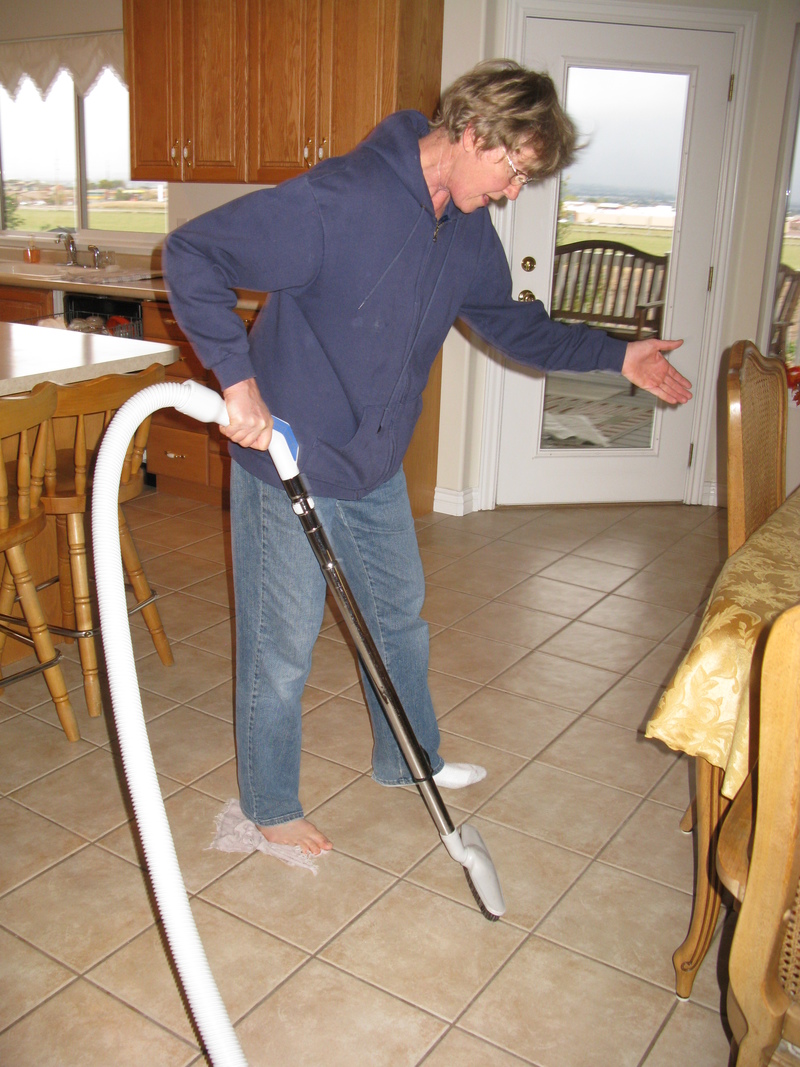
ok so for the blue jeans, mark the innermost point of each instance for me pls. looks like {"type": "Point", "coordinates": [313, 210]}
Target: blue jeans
{"type": "Point", "coordinates": [280, 596]}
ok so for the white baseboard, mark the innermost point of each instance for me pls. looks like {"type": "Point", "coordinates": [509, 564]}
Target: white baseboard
{"type": "Point", "coordinates": [711, 495]}
{"type": "Point", "coordinates": [465, 501]}
{"type": "Point", "coordinates": [455, 502]}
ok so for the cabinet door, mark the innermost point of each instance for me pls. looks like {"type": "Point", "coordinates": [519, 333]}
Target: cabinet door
{"type": "Point", "coordinates": [357, 58]}
{"type": "Point", "coordinates": [214, 90]}
{"type": "Point", "coordinates": [18, 304]}
{"type": "Point", "coordinates": [283, 62]}
{"type": "Point", "coordinates": [376, 56]}
{"type": "Point", "coordinates": [152, 67]}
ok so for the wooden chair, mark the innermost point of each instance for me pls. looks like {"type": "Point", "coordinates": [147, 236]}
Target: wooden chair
{"type": "Point", "coordinates": [764, 967]}
{"type": "Point", "coordinates": [22, 517]}
{"type": "Point", "coordinates": [67, 486]}
{"type": "Point", "coordinates": [758, 401]}
{"type": "Point", "coordinates": [784, 309]}
{"type": "Point", "coordinates": [756, 482]}
{"type": "Point", "coordinates": [611, 285]}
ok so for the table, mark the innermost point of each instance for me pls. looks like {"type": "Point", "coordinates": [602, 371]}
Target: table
{"type": "Point", "coordinates": [706, 710]}
{"type": "Point", "coordinates": [33, 354]}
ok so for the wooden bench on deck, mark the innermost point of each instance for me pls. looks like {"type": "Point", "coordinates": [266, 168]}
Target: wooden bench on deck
{"type": "Point", "coordinates": [784, 310]}
{"type": "Point", "coordinates": [610, 285]}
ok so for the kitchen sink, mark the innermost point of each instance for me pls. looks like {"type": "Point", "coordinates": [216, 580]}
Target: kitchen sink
{"type": "Point", "coordinates": [34, 270]}
{"type": "Point", "coordinates": [49, 272]}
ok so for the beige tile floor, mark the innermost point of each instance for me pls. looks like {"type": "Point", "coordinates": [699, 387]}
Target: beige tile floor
{"type": "Point", "coordinates": [553, 630]}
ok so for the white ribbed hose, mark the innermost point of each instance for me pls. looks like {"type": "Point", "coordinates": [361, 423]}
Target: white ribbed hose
{"type": "Point", "coordinates": [206, 1005]}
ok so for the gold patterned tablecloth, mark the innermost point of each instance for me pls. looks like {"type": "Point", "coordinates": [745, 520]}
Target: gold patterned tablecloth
{"type": "Point", "coordinates": [705, 711]}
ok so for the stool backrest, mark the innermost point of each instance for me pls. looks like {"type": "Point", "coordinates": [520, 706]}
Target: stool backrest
{"type": "Point", "coordinates": [75, 429]}
{"type": "Point", "coordinates": [22, 420]}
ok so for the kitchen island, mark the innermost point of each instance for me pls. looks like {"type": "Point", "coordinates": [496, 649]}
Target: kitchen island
{"type": "Point", "coordinates": [30, 354]}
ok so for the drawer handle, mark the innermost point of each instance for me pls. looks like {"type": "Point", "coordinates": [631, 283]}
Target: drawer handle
{"type": "Point", "coordinates": [174, 455]}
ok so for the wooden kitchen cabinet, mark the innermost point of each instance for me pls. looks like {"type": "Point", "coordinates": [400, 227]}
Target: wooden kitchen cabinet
{"type": "Point", "coordinates": [323, 73]}
{"type": "Point", "coordinates": [20, 304]}
{"type": "Point", "coordinates": [259, 90]}
{"type": "Point", "coordinates": [185, 62]}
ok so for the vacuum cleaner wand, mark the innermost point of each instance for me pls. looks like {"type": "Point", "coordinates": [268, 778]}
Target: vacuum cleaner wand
{"type": "Point", "coordinates": [466, 847]}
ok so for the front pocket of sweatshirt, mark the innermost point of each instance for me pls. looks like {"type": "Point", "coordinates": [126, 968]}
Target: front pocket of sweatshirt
{"type": "Point", "coordinates": [359, 465]}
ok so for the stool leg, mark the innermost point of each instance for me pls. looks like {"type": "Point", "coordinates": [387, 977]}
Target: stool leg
{"type": "Point", "coordinates": [79, 569]}
{"type": "Point", "coordinates": [711, 807]}
{"type": "Point", "coordinates": [142, 591]}
{"type": "Point", "coordinates": [8, 593]}
{"type": "Point", "coordinates": [43, 642]}
{"type": "Point", "coordinates": [65, 576]}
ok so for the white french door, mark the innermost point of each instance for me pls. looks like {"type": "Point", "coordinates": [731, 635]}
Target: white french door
{"type": "Point", "coordinates": [642, 454]}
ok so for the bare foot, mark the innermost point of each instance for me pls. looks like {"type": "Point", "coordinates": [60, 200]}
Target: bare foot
{"type": "Point", "coordinates": [299, 832]}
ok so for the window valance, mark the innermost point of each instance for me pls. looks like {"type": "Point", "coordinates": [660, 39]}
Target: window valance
{"type": "Point", "coordinates": [42, 59]}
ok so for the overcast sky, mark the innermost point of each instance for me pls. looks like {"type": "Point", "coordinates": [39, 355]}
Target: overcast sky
{"type": "Point", "coordinates": [633, 122]}
{"type": "Point", "coordinates": [50, 153]}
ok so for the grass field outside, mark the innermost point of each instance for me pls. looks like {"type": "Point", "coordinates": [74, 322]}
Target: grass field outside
{"type": "Point", "coordinates": [133, 218]}
{"type": "Point", "coordinates": [657, 241]}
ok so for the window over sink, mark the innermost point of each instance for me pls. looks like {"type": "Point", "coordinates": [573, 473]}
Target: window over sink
{"type": "Point", "coordinates": [65, 160]}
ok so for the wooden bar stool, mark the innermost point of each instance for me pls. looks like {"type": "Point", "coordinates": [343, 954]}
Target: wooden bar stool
{"type": "Point", "coordinates": [23, 517]}
{"type": "Point", "coordinates": [82, 413]}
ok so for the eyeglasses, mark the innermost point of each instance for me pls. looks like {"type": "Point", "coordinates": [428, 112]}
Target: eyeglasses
{"type": "Point", "coordinates": [517, 177]}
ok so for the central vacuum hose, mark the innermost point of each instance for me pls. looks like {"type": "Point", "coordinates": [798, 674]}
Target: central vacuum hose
{"type": "Point", "coordinates": [208, 1010]}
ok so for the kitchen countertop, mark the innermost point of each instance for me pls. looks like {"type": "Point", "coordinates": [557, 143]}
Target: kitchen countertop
{"type": "Point", "coordinates": [31, 354]}
{"type": "Point", "coordinates": [56, 276]}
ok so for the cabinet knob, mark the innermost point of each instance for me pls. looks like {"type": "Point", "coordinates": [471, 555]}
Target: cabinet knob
{"type": "Point", "coordinates": [174, 455]}
{"type": "Point", "coordinates": [528, 263]}
{"type": "Point", "coordinates": [186, 153]}
{"type": "Point", "coordinates": [321, 151]}
{"type": "Point", "coordinates": [174, 153]}
{"type": "Point", "coordinates": [307, 150]}
{"type": "Point", "coordinates": [526, 296]}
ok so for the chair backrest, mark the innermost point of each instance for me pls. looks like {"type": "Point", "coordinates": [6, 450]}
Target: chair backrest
{"type": "Point", "coordinates": [22, 420]}
{"type": "Point", "coordinates": [765, 952]}
{"type": "Point", "coordinates": [787, 294]}
{"type": "Point", "coordinates": [758, 400]}
{"type": "Point", "coordinates": [73, 428]}
{"type": "Point", "coordinates": [609, 284]}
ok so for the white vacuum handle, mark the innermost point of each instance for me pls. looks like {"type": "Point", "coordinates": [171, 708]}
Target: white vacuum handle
{"type": "Point", "coordinates": [205, 405]}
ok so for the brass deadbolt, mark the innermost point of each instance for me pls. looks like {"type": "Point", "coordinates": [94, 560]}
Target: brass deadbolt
{"type": "Point", "coordinates": [526, 295]}
{"type": "Point", "coordinates": [528, 263]}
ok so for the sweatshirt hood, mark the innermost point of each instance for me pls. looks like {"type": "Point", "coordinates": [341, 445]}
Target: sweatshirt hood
{"type": "Point", "coordinates": [396, 141]}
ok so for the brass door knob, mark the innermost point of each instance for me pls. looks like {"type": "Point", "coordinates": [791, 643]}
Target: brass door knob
{"type": "Point", "coordinates": [528, 263]}
{"type": "Point", "coordinates": [526, 295]}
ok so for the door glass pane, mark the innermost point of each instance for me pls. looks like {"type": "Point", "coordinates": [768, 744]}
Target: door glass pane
{"type": "Point", "coordinates": [786, 306]}
{"type": "Point", "coordinates": [622, 190]}
{"type": "Point", "coordinates": [39, 171]}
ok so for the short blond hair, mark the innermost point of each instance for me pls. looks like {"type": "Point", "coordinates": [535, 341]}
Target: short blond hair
{"type": "Point", "coordinates": [511, 107]}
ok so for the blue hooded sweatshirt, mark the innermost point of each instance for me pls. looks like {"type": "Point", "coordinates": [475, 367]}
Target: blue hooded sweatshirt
{"type": "Point", "coordinates": [364, 286]}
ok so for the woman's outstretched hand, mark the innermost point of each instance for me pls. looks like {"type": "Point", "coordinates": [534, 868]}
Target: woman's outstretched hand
{"type": "Point", "coordinates": [646, 366]}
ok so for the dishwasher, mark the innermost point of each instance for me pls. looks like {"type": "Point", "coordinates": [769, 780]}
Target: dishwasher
{"type": "Point", "coordinates": [90, 313]}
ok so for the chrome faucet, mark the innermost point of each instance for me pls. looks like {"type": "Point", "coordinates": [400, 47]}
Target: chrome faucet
{"type": "Point", "coordinates": [71, 247]}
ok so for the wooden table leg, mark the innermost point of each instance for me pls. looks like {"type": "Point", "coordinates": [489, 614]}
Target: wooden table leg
{"type": "Point", "coordinates": [711, 807]}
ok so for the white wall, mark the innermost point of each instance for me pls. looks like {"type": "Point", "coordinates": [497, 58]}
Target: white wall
{"type": "Point", "coordinates": [472, 32]}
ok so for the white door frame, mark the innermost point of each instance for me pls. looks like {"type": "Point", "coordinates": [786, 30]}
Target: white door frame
{"type": "Point", "coordinates": [742, 25]}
